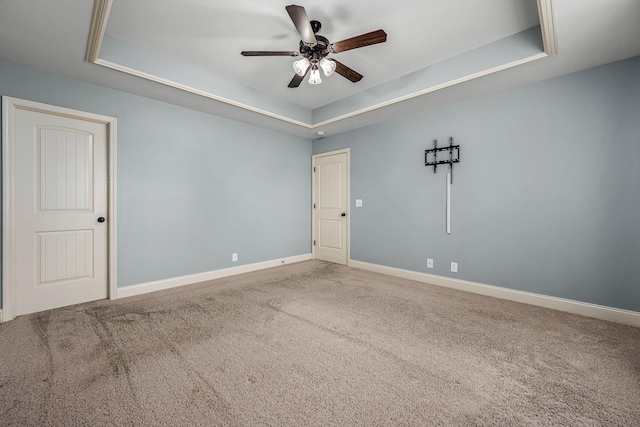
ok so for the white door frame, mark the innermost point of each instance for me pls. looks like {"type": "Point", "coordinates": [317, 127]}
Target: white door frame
{"type": "Point", "coordinates": [9, 109]}
{"type": "Point", "coordinates": [346, 151]}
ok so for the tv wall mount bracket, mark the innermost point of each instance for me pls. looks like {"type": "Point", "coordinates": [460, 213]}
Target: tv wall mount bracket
{"type": "Point", "coordinates": [431, 156]}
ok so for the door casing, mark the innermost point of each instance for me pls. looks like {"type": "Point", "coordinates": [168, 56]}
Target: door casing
{"type": "Point", "coordinates": [9, 107]}
{"type": "Point", "coordinates": [314, 196]}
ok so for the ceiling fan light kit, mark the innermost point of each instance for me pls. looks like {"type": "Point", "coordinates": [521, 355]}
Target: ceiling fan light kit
{"type": "Point", "coordinates": [314, 78]}
{"type": "Point", "coordinates": [328, 66]}
{"type": "Point", "coordinates": [315, 48]}
{"type": "Point", "coordinates": [301, 66]}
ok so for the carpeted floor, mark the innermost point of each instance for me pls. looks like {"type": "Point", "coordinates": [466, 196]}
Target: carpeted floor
{"type": "Point", "coordinates": [316, 344]}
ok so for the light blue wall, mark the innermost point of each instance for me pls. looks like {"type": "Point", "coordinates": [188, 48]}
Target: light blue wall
{"type": "Point", "coordinates": [546, 198]}
{"type": "Point", "coordinates": [192, 187]}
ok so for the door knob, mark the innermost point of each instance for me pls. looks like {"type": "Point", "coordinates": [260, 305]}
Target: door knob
{"type": "Point", "coordinates": [343, 214]}
{"type": "Point", "coordinates": [101, 219]}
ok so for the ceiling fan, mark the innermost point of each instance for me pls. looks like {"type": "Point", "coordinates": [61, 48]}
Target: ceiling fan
{"type": "Point", "coordinates": [315, 48]}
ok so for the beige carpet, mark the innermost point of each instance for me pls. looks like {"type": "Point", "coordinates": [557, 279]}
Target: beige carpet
{"type": "Point", "coordinates": [316, 344]}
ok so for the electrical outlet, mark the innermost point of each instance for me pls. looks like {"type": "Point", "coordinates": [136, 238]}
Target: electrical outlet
{"type": "Point", "coordinates": [454, 267]}
{"type": "Point", "coordinates": [429, 262]}
{"type": "Point", "coordinates": [358, 203]}
{"type": "Point", "coordinates": [234, 257]}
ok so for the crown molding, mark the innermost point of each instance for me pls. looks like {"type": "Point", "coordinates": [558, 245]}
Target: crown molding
{"type": "Point", "coordinates": [548, 27]}
{"type": "Point", "coordinates": [430, 89]}
{"type": "Point", "coordinates": [99, 18]}
{"type": "Point", "coordinates": [195, 91]}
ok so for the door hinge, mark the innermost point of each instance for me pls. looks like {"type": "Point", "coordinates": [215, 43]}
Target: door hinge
{"type": "Point", "coordinates": [314, 243]}
{"type": "Point", "coordinates": [314, 168]}
{"type": "Point", "coordinates": [314, 206]}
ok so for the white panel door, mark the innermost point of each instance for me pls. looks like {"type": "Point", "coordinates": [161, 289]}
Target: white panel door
{"type": "Point", "coordinates": [61, 195]}
{"type": "Point", "coordinates": [331, 177]}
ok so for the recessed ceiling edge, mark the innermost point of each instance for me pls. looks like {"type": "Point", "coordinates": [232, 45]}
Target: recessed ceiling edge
{"type": "Point", "coordinates": [100, 18]}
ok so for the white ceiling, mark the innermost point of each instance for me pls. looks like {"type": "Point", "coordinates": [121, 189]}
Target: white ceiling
{"type": "Point", "coordinates": [52, 36]}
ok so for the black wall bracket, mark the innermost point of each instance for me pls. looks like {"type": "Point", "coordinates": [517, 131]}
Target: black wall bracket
{"type": "Point", "coordinates": [431, 156]}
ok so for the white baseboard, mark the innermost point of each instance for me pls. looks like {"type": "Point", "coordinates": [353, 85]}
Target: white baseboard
{"type": "Point", "coordinates": [159, 285]}
{"type": "Point", "coordinates": [1, 316]}
{"type": "Point", "coordinates": [611, 314]}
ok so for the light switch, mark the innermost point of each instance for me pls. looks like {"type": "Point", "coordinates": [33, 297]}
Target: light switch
{"type": "Point", "coordinates": [358, 203]}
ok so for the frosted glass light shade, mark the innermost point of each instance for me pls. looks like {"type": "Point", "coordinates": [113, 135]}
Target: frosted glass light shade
{"type": "Point", "coordinates": [301, 66]}
{"type": "Point", "coordinates": [314, 78]}
{"type": "Point", "coordinates": [328, 66]}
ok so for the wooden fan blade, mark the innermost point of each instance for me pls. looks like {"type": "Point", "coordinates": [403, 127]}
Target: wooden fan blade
{"type": "Point", "coordinates": [297, 79]}
{"type": "Point", "coordinates": [347, 72]}
{"type": "Point", "coordinates": [374, 37]}
{"type": "Point", "coordinates": [267, 53]}
{"type": "Point", "coordinates": [303, 25]}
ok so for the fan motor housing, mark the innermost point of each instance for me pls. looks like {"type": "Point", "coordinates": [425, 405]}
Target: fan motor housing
{"type": "Point", "coordinates": [317, 52]}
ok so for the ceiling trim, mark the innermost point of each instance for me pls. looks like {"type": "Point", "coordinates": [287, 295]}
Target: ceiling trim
{"type": "Point", "coordinates": [433, 89]}
{"type": "Point", "coordinates": [99, 18]}
{"type": "Point", "coordinates": [205, 94]}
{"type": "Point", "coordinates": [548, 27]}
